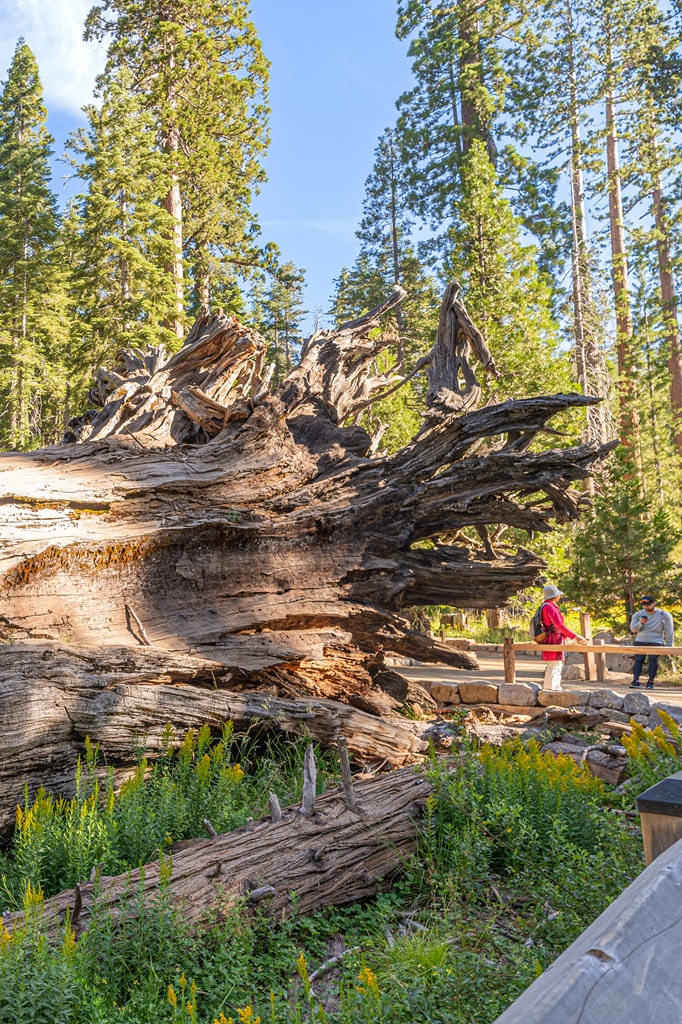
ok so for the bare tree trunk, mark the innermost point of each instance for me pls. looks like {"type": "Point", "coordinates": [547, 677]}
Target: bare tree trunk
{"type": "Point", "coordinates": [652, 412]}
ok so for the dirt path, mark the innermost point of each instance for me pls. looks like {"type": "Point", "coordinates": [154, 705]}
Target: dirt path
{"type": "Point", "coordinates": [529, 669]}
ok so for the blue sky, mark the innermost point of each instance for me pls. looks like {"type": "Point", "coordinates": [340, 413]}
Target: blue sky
{"type": "Point", "coordinates": [337, 70]}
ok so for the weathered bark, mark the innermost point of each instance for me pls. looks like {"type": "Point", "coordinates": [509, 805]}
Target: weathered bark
{"type": "Point", "coordinates": [279, 550]}
{"type": "Point", "coordinates": [53, 695]}
{"type": "Point", "coordinates": [335, 856]}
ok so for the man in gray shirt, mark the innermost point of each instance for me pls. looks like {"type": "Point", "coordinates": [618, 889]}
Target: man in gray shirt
{"type": "Point", "coordinates": [652, 628]}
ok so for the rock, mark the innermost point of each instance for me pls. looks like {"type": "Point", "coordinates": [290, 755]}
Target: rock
{"type": "Point", "coordinates": [482, 692]}
{"type": "Point", "coordinates": [617, 662]}
{"type": "Point", "coordinates": [442, 734]}
{"type": "Point", "coordinates": [460, 642]}
{"type": "Point", "coordinates": [581, 717]}
{"type": "Point", "coordinates": [574, 672]}
{"type": "Point", "coordinates": [495, 734]}
{"type": "Point", "coordinates": [560, 698]}
{"type": "Point", "coordinates": [674, 710]}
{"type": "Point", "coordinates": [523, 695]}
{"type": "Point", "coordinates": [641, 719]}
{"type": "Point", "coordinates": [637, 703]}
{"type": "Point", "coordinates": [619, 717]}
{"type": "Point", "coordinates": [606, 699]}
{"type": "Point", "coordinates": [606, 766]}
{"type": "Point", "coordinates": [446, 693]}
{"type": "Point", "coordinates": [574, 658]}
{"type": "Point", "coordinates": [576, 741]}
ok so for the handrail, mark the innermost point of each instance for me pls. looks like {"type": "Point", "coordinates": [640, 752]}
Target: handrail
{"type": "Point", "coordinates": [530, 645]}
{"type": "Point", "coordinates": [595, 667]}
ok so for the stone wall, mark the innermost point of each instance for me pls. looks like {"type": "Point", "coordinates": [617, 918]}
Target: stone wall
{"type": "Point", "coordinates": [521, 697]}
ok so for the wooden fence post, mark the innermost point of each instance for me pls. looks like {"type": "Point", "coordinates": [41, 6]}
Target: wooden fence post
{"type": "Point", "coordinates": [601, 663]}
{"type": "Point", "coordinates": [586, 630]}
{"type": "Point", "coordinates": [509, 658]}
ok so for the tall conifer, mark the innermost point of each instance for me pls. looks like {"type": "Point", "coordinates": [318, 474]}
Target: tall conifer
{"type": "Point", "coordinates": [118, 230]}
{"type": "Point", "coordinates": [508, 296]}
{"type": "Point", "coordinates": [33, 323]}
{"type": "Point", "coordinates": [199, 68]}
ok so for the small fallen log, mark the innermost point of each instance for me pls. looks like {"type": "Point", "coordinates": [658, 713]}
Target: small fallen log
{"type": "Point", "coordinates": [53, 695]}
{"type": "Point", "coordinates": [333, 856]}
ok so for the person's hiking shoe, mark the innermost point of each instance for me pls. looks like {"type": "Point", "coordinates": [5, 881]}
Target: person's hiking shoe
{"type": "Point", "coordinates": [649, 686]}
{"type": "Point", "coordinates": [634, 686]}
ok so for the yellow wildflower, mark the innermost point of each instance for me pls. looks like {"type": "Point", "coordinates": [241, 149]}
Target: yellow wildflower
{"type": "Point", "coordinates": [368, 983]}
{"type": "Point", "coordinates": [172, 997]}
{"type": "Point", "coordinates": [246, 1015]}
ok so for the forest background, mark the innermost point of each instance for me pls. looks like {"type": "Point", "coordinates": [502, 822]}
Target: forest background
{"type": "Point", "coordinates": [534, 158]}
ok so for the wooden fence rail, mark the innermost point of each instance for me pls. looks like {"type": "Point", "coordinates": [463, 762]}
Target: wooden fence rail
{"type": "Point", "coordinates": [594, 655]}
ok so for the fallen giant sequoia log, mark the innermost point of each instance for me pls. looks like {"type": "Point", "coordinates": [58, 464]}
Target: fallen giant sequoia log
{"type": "Point", "coordinates": [282, 548]}
{"type": "Point", "coordinates": [333, 855]}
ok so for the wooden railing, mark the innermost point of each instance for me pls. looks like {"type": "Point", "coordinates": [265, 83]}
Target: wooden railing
{"type": "Point", "coordinates": [594, 654]}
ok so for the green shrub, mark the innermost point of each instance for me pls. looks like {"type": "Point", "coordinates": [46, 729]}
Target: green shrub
{"type": "Point", "coordinates": [653, 755]}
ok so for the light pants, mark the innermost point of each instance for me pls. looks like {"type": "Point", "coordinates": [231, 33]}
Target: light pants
{"type": "Point", "coordinates": [553, 675]}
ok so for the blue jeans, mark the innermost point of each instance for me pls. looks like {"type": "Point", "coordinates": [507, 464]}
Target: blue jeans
{"type": "Point", "coordinates": [639, 663]}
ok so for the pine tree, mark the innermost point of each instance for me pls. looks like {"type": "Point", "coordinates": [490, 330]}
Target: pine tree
{"type": "Point", "coordinates": [118, 232]}
{"type": "Point", "coordinates": [623, 547]}
{"type": "Point", "coordinates": [461, 62]}
{"type": "Point", "coordinates": [277, 311]}
{"type": "Point", "coordinates": [33, 320]}
{"type": "Point", "coordinates": [199, 69]}
{"type": "Point", "coordinates": [508, 296]}
{"type": "Point", "coordinates": [387, 258]}
{"type": "Point", "coordinates": [654, 166]}
{"type": "Point", "coordinates": [550, 97]}
{"type": "Point", "coordinates": [614, 25]}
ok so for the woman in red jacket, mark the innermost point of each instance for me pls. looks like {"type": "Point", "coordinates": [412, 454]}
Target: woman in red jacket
{"type": "Point", "coordinates": [557, 633]}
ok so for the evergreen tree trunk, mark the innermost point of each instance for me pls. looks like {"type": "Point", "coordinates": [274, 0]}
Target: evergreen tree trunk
{"type": "Point", "coordinates": [629, 415]}
{"type": "Point", "coordinates": [173, 203]}
{"type": "Point", "coordinates": [652, 414]}
{"type": "Point", "coordinates": [669, 303]}
{"type": "Point", "coordinates": [455, 116]}
{"type": "Point", "coordinates": [396, 260]}
{"type": "Point", "coordinates": [471, 77]}
{"type": "Point", "coordinates": [591, 371]}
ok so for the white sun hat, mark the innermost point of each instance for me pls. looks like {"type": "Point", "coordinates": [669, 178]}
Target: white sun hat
{"type": "Point", "coordinates": [549, 592]}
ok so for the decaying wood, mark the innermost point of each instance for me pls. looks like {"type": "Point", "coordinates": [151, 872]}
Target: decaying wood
{"type": "Point", "coordinates": [281, 548]}
{"type": "Point", "coordinates": [452, 382]}
{"type": "Point", "coordinates": [335, 856]}
{"type": "Point", "coordinates": [53, 695]}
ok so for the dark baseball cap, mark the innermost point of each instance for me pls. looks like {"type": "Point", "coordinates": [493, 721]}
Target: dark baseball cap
{"type": "Point", "coordinates": [647, 599]}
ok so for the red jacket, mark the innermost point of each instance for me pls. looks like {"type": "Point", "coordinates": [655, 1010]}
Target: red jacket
{"type": "Point", "coordinates": [557, 631]}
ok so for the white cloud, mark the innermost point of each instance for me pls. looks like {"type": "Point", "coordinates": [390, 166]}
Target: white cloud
{"type": "Point", "coordinates": [54, 31]}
